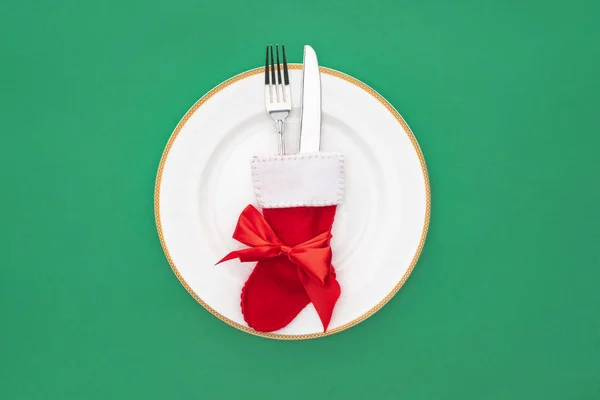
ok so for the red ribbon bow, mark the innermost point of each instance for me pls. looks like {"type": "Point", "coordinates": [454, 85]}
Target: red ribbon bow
{"type": "Point", "coordinates": [313, 259]}
{"type": "Point", "coordinates": [313, 256]}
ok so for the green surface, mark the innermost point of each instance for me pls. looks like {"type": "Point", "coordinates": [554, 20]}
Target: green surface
{"type": "Point", "coordinates": [504, 98]}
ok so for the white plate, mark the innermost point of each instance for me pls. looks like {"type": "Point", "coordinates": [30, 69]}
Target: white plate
{"type": "Point", "coordinates": [204, 182]}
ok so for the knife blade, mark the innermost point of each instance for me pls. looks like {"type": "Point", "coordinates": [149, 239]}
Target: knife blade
{"type": "Point", "coordinates": [310, 121]}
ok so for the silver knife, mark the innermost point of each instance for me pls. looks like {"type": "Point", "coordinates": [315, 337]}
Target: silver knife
{"type": "Point", "coordinates": [310, 122]}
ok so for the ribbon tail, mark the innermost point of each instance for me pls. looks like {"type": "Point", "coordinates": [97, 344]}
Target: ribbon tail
{"type": "Point", "coordinates": [230, 256]}
{"type": "Point", "coordinates": [253, 254]}
{"type": "Point", "coordinates": [323, 296]}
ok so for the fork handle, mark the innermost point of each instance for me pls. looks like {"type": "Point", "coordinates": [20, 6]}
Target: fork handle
{"type": "Point", "coordinates": [279, 124]}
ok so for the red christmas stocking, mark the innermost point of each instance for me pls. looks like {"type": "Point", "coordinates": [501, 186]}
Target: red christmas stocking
{"type": "Point", "coordinates": [298, 195]}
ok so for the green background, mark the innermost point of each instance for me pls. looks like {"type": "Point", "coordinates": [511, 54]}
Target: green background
{"type": "Point", "coordinates": [504, 98]}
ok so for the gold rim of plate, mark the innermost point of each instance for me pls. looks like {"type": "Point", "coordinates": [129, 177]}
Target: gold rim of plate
{"type": "Point", "coordinates": [373, 310]}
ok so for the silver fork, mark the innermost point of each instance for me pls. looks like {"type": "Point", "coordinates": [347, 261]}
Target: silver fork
{"type": "Point", "coordinates": [278, 98]}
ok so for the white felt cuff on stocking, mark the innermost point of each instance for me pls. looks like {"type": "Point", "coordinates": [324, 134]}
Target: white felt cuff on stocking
{"type": "Point", "coordinates": [299, 180]}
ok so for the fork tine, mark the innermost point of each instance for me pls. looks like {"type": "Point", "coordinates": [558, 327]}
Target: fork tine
{"type": "Point", "coordinates": [286, 77]}
{"type": "Point", "coordinates": [278, 68]}
{"type": "Point", "coordinates": [272, 67]}
{"type": "Point", "coordinates": [267, 67]}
